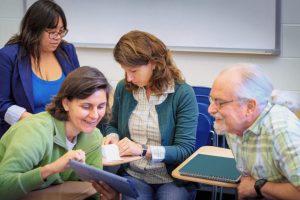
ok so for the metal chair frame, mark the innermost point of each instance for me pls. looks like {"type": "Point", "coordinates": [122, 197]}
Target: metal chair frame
{"type": "Point", "coordinates": [206, 120]}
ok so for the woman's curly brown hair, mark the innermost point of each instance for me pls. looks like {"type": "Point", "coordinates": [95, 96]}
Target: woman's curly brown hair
{"type": "Point", "coordinates": [138, 48]}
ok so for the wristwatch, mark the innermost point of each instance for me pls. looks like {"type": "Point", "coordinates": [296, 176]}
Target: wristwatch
{"type": "Point", "coordinates": [145, 148]}
{"type": "Point", "coordinates": [258, 185]}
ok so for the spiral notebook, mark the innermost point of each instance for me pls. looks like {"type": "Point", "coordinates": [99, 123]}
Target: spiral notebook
{"type": "Point", "coordinates": [212, 167]}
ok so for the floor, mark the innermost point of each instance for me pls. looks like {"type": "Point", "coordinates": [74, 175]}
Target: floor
{"type": "Point", "coordinates": [207, 195]}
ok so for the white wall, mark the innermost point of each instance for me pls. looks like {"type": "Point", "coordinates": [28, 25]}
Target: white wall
{"type": "Point", "coordinates": [198, 68]}
{"type": "Point", "coordinates": [11, 12]}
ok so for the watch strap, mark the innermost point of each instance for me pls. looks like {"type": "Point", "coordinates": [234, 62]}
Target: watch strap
{"type": "Point", "coordinates": [258, 185]}
{"type": "Point", "coordinates": [145, 148]}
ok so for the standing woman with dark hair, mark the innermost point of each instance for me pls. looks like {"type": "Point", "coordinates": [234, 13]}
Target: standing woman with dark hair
{"type": "Point", "coordinates": [154, 115]}
{"type": "Point", "coordinates": [34, 63]}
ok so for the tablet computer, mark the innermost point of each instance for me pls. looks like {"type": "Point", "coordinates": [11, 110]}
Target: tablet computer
{"type": "Point", "coordinates": [87, 172]}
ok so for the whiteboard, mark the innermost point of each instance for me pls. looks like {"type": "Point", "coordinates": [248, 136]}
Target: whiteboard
{"type": "Point", "coordinates": [234, 26]}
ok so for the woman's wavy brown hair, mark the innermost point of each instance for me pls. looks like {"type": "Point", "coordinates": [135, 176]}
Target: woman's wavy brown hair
{"type": "Point", "coordinates": [79, 84]}
{"type": "Point", "coordinates": [137, 48]}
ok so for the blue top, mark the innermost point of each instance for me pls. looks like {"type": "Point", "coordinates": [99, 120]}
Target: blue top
{"type": "Point", "coordinates": [42, 96]}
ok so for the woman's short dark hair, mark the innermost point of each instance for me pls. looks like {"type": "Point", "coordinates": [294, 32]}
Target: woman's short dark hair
{"type": "Point", "coordinates": [137, 48]}
{"type": "Point", "coordinates": [79, 84]}
{"type": "Point", "coordinates": [40, 15]}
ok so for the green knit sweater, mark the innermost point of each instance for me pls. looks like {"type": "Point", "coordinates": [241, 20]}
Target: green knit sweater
{"type": "Point", "coordinates": [33, 143]}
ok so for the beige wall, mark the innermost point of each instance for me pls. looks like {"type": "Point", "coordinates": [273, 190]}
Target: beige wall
{"type": "Point", "coordinates": [201, 68]}
{"type": "Point", "coordinates": [198, 68]}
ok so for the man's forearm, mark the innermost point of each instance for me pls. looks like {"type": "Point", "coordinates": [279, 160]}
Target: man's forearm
{"type": "Point", "coordinates": [280, 191]}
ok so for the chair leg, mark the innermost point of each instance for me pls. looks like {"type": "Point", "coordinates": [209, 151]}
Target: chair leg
{"type": "Point", "coordinates": [215, 139]}
{"type": "Point", "coordinates": [214, 193]}
{"type": "Point", "coordinates": [224, 141]}
{"type": "Point", "coordinates": [235, 194]}
{"type": "Point", "coordinates": [221, 193]}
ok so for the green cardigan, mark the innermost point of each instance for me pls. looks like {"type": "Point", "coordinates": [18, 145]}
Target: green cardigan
{"type": "Point", "coordinates": [35, 142]}
{"type": "Point", "coordinates": [177, 118]}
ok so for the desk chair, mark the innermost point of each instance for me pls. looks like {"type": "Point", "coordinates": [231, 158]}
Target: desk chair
{"type": "Point", "coordinates": [203, 108]}
{"type": "Point", "coordinates": [202, 96]}
{"type": "Point", "coordinates": [201, 90]}
{"type": "Point", "coordinates": [205, 133]}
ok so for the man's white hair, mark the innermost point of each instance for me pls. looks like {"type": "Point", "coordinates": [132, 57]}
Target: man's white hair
{"type": "Point", "coordinates": [253, 83]}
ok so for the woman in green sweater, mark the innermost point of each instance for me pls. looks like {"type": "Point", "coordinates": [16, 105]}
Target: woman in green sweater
{"type": "Point", "coordinates": [34, 153]}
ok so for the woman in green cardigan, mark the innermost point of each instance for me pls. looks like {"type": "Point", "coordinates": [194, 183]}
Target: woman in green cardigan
{"type": "Point", "coordinates": [34, 153]}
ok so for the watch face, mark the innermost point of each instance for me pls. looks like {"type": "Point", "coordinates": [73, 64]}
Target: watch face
{"type": "Point", "coordinates": [144, 149]}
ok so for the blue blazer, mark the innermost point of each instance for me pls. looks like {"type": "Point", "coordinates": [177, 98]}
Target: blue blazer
{"type": "Point", "coordinates": [16, 82]}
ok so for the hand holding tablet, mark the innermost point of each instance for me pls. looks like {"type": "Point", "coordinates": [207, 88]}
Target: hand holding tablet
{"type": "Point", "coordinates": [86, 172]}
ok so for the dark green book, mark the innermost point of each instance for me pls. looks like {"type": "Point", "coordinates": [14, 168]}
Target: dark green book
{"type": "Point", "coordinates": [212, 167]}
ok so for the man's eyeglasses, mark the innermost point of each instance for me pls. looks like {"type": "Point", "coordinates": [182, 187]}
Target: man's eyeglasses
{"type": "Point", "coordinates": [219, 102]}
{"type": "Point", "coordinates": [61, 34]}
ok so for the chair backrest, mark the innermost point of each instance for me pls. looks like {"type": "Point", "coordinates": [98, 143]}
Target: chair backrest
{"type": "Point", "coordinates": [203, 108]}
{"type": "Point", "coordinates": [203, 135]}
{"type": "Point", "coordinates": [202, 99]}
{"type": "Point", "coordinates": [204, 128]}
{"type": "Point", "coordinates": [205, 131]}
{"type": "Point", "coordinates": [215, 140]}
{"type": "Point", "coordinates": [202, 94]}
{"type": "Point", "coordinates": [200, 90]}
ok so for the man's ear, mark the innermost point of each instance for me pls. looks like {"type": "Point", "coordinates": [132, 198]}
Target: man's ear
{"type": "Point", "coordinates": [251, 106]}
{"type": "Point", "coordinates": [65, 104]}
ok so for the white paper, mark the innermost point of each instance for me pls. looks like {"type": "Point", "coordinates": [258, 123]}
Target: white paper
{"type": "Point", "coordinates": [110, 152]}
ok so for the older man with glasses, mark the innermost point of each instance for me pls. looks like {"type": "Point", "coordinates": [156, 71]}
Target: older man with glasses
{"type": "Point", "coordinates": [264, 136]}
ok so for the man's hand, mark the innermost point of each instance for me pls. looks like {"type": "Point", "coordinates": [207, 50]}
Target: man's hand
{"type": "Point", "coordinates": [246, 188]}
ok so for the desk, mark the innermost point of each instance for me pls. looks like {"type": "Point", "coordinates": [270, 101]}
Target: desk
{"type": "Point", "coordinates": [125, 159]}
{"type": "Point", "coordinates": [207, 150]}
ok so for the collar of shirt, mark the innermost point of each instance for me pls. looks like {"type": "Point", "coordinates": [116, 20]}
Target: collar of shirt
{"type": "Point", "coordinates": [255, 127]}
{"type": "Point", "coordinates": [140, 95]}
{"type": "Point", "coordinates": [70, 145]}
